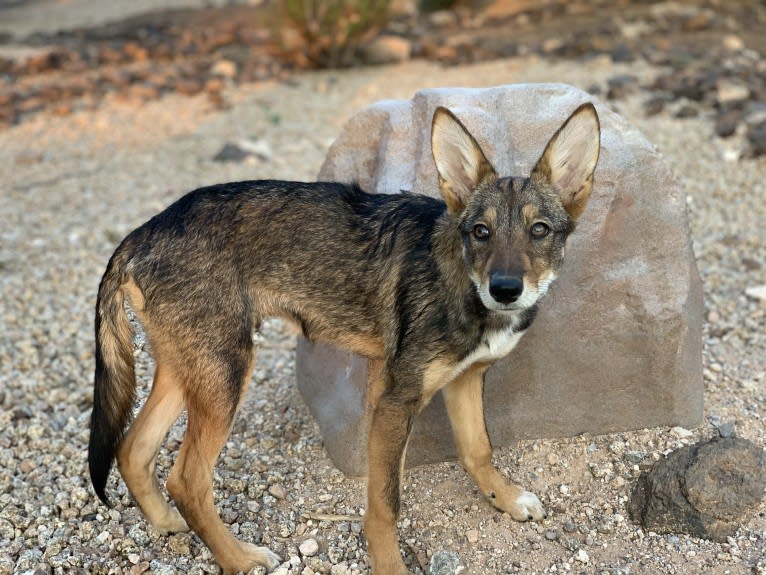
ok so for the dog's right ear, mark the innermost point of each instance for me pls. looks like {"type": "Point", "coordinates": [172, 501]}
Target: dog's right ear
{"type": "Point", "coordinates": [461, 164]}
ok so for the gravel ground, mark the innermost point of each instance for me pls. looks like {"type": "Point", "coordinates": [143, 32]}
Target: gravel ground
{"type": "Point", "coordinates": [75, 186]}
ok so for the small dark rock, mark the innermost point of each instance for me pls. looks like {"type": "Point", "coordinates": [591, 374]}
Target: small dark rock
{"type": "Point", "coordinates": [751, 265]}
{"type": "Point", "coordinates": [231, 153]}
{"type": "Point", "coordinates": [756, 137]}
{"type": "Point", "coordinates": [706, 490]}
{"type": "Point", "coordinates": [726, 123]}
{"type": "Point", "coordinates": [622, 53]}
{"type": "Point", "coordinates": [687, 111]}
{"type": "Point", "coordinates": [21, 413]}
{"type": "Point", "coordinates": [686, 86]}
{"type": "Point", "coordinates": [654, 105]}
{"type": "Point", "coordinates": [727, 429]}
{"type": "Point", "coordinates": [570, 526]}
{"type": "Point", "coordinates": [622, 85]}
{"type": "Point", "coordinates": [594, 89]}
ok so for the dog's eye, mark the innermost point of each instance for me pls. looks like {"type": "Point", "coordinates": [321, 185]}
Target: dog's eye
{"type": "Point", "coordinates": [481, 232]}
{"type": "Point", "coordinates": [539, 230]}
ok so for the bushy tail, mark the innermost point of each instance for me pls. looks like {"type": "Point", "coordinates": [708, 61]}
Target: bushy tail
{"type": "Point", "coordinates": [115, 381]}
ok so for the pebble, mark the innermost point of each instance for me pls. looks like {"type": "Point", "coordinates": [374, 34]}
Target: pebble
{"type": "Point", "coordinates": [730, 91]}
{"type": "Point", "coordinates": [727, 429]}
{"type": "Point", "coordinates": [444, 563]}
{"type": "Point", "coordinates": [387, 49]}
{"type": "Point", "coordinates": [258, 148]}
{"type": "Point", "coordinates": [225, 68]}
{"type": "Point", "coordinates": [757, 293]}
{"type": "Point", "coordinates": [160, 568]}
{"type": "Point", "coordinates": [551, 535]}
{"type": "Point", "coordinates": [277, 491]}
{"type": "Point", "coordinates": [309, 547]}
{"type": "Point", "coordinates": [756, 137]}
{"type": "Point", "coordinates": [231, 153]}
{"type": "Point", "coordinates": [681, 432]}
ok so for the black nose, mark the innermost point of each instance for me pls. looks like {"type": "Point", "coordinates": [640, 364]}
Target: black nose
{"type": "Point", "coordinates": [505, 289]}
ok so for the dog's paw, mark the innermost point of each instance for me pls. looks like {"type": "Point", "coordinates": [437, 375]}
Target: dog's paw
{"type": "Point", "coordinates": [250, 556]}
{"type": "Point", "coordinates": [264, 556]}
{"type": "Point", "coordinates": [171, 522]}
{"type": "Point", "coordinates": [527, 507]}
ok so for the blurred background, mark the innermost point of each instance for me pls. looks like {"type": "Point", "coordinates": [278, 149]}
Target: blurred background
{"type": "Point", "coordinates": [67, 55]}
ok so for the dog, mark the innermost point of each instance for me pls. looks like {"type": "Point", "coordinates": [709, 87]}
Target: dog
{"type": "Point", "coordinates": [437, 289]}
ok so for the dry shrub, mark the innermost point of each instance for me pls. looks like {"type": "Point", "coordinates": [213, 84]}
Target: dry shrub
{"type": "Point", "coordinates": [332, 30]}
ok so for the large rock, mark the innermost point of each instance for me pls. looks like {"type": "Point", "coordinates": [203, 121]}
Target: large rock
{"type": "Point", "coordinates": [617, 343]}
{"type": "Point", "coordinates": [706, 490]}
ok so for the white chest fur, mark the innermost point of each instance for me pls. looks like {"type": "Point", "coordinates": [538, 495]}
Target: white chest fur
{"type": "Point", "coordinates": [493, 346]}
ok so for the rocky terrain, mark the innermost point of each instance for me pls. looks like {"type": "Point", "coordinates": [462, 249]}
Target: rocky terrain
{"type": "Point", "coordinates": [79, 177]}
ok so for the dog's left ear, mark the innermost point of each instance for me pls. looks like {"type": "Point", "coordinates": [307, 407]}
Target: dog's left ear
{"type": "Point", "coordinates": [461, 164]}
{"type": "Point", "coordinates": [570, 158]}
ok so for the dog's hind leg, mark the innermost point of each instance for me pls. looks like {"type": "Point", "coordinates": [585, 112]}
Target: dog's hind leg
{"type": "Point", "coordinates": [137, 455]}
{"type": "Point", "coordinates": [465, 406]}
{"type": "Point", "coordinates": [212, 401]}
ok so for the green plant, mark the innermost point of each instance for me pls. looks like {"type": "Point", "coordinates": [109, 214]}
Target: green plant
{"type": "Point", "coordinates": [333, 29]}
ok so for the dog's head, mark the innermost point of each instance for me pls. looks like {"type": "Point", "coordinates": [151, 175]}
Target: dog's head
{"type": "Point", "coordinates": [514, 229]}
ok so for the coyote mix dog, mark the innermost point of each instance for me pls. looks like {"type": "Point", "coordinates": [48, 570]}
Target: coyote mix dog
{"type": "Point", "coordinates": [437, 290]}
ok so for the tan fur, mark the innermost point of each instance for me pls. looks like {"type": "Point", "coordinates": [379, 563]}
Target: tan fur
{"type": "Point", "coordinates": [465, 407]}
{"type": "Point", "coordinates": [438, 373]}
{"type": "Point", "coordinates": [112, 348]}
{"type": "Point", "coordinates": [138, 453]}
{"type": "Point", "coordinates": [190, 481]}
{"type": "Point", "coordinates": [389, 432]}
{"type": "Point", "coordinates": [135, 297]}
{"type": "Point", "coordinates": [531, 213]}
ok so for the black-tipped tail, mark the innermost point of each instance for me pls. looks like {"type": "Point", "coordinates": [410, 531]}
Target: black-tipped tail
{"type": "Point", "coordinates": [115, 383]}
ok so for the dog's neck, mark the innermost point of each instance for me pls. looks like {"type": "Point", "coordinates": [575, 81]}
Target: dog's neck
{"type": "Point", "coordinates": [515, 321]}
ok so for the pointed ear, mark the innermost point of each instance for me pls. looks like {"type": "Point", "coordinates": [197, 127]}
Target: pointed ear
{"type": "Point", "coordinates": [460, 162]}
{"type": "Point", "coordinates": [570, 158]}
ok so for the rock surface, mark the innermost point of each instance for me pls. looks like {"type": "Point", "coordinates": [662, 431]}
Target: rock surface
{"type": "Point", "coordinates": [707, 489]}
{"type": "Point", "coordinates": [629, 296]}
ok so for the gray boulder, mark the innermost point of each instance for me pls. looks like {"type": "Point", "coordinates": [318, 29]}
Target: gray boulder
{"type": "Point", "coordinates": [617, 344]}
{"type": "Point", "coordinates": [706, 490]}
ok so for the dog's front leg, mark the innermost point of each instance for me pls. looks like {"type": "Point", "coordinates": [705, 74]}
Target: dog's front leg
{"type": "Point", "coordinates": [465, 406]}
{"type": "Point", "coordinates": [389, 430]}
